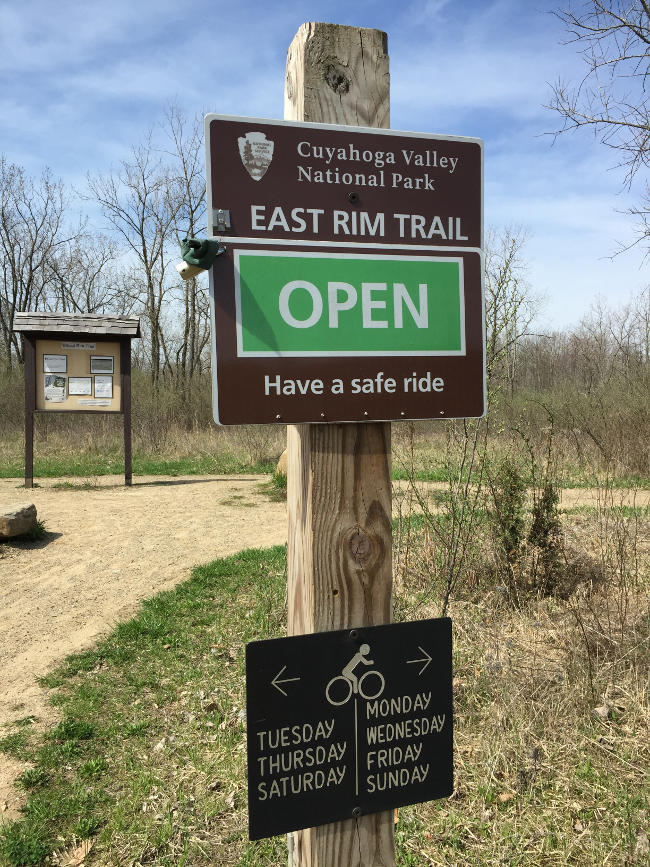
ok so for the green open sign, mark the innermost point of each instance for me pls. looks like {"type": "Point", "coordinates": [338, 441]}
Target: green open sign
{"type": "Point", "coordinates": [294, 304]}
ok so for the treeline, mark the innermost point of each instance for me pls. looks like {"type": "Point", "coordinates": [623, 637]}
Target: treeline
{"type": "Point", "coordinates": [50, 259]}
{"type": "Point", "coordinates": [591, 383]}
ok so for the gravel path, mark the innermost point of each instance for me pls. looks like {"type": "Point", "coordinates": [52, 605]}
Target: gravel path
{"type": "Point", "coordinates": [107, 548]}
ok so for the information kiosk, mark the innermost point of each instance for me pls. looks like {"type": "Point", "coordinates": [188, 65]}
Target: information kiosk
{"type": "Point", "coordinates": [76, 363]}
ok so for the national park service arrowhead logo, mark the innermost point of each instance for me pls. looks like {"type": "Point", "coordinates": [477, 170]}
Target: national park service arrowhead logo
{"type": "Point", "coordinates": [256, 153]}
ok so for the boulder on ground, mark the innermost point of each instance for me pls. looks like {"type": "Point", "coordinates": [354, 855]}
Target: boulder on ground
{"type": "Point", "coordinates": [17, 520]}
{"type": "Point", "coordinates": [281, 469]}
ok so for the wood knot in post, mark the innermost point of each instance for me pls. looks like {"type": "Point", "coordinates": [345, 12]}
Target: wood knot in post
{"type": "Point", "coordinates": [337, 79]}
{"type": "Point", "coordinates": [360, 546]}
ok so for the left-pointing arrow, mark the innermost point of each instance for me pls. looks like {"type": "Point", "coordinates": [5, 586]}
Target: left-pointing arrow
{"type": "Point", "coordinates": [276, 680]}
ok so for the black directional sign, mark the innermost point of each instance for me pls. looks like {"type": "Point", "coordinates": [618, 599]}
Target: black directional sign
{"type": "Point", "coordinates": [345, 723]}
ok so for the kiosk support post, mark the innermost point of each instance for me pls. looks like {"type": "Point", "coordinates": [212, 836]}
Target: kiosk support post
{"type": "Point", "coordinates": [29, 354]}
{"type": "Point", "coordinates": [339, 488]}
{"type": "Point", "coordinates": [125, 367]}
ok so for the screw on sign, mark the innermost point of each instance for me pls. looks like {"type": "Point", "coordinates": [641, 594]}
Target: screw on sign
{"type": "Point", "coordinates": [345, 723]}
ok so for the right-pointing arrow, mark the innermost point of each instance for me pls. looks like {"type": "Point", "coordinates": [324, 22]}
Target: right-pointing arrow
{"type": "Point", "coordinates": [426, 659]}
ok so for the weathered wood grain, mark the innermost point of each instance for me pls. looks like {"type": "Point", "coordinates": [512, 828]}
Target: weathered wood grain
{"type": "Point", "coordinates": [339, 512]}
{"type": "Point", "coordinates": [339, 493]}
{"type": "Point", "coordinates": [338, 74]}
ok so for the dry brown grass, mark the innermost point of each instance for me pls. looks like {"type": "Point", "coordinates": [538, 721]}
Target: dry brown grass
{"type": "Point", "coordinates": [552, 703]}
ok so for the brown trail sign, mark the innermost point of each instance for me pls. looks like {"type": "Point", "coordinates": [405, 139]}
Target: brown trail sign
{"type": "Point", "coordinates": [349, 288]}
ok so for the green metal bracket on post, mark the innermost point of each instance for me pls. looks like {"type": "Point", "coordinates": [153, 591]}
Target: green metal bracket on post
{"type": "Point", "coordinates": [198, 255]}
{"type": "Point", "coordinates": [201, 253]}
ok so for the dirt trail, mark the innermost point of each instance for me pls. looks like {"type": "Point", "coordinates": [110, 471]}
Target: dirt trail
{"type": "Point", "coordinates": [107, 548]}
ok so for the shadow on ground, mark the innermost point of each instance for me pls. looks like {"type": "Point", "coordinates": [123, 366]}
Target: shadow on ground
{"type": "Point", "coordinates": [24, 543]}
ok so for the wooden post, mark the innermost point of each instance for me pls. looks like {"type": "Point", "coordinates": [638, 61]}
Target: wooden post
{"type": "Point", "coordinates": [339, 489]}
{"type": "Point", "coordinates": [125, 369]}
{"type": "Point", "coordinates": [29, 355]}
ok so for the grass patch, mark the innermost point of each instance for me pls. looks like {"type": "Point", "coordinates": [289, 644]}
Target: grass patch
{"type": "Point", "coordinates": [576, 480]}
{"type": "Point", "coordinates": [613, 511]}
{"type": "Point", "coordinates": [25, 721]}
{"type": "Point", "coordinates": [32, 778]}
{"type": "Point", "coordinates": [37, 532]}
{"type": "Point", "coordinates": [149, 758]}
{"type": "Point", "coordinates": [221, 464]}
{"type": "Point", "coordinates": [276, 488]}
{"type": "Point", "coordinates": [16, 744]}
{"type": "Point", "coordinates": [91, 448]}
{"type": "Point", "coordinates": [24, 843]}
{"type": "Point", "coordinates": [238, 501]}
{"type": "Point", "coordinates": [85, 466]}
{"type": "Point", "coordinates": [76, 486]}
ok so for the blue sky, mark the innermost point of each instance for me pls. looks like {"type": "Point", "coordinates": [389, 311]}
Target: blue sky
{"type": "Point", "coordinates": [80, 83]}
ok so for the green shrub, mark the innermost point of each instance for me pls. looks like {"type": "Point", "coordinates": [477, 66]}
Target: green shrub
{"type": "Point", "coordinates": [545, 537]}
{"type": "Point", "coordinates": [507, 522]}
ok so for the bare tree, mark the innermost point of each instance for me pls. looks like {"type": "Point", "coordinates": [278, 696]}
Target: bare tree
{"type": "Point", "coordinates": [155, 199]}
{"type": "Point", "coordinates": [141, 207]}
{"type": "Point", "coordinates": [81, 277]}
{"type": "Point", "coordinates": [33, 233]}
{"type": "Point", "coordinates": [188, 183]}
{"type": "Point", "coordinates": [611, 100]}
{"type": "Point", "coordinates": [510, 306]}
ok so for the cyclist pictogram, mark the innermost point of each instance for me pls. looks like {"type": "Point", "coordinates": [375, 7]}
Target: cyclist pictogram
{"type": "Point", "coordinates": [369, 685]}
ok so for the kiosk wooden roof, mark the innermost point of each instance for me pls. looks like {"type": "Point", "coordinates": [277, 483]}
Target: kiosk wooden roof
{"type": "Point", "coordinates": [77, 323]}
